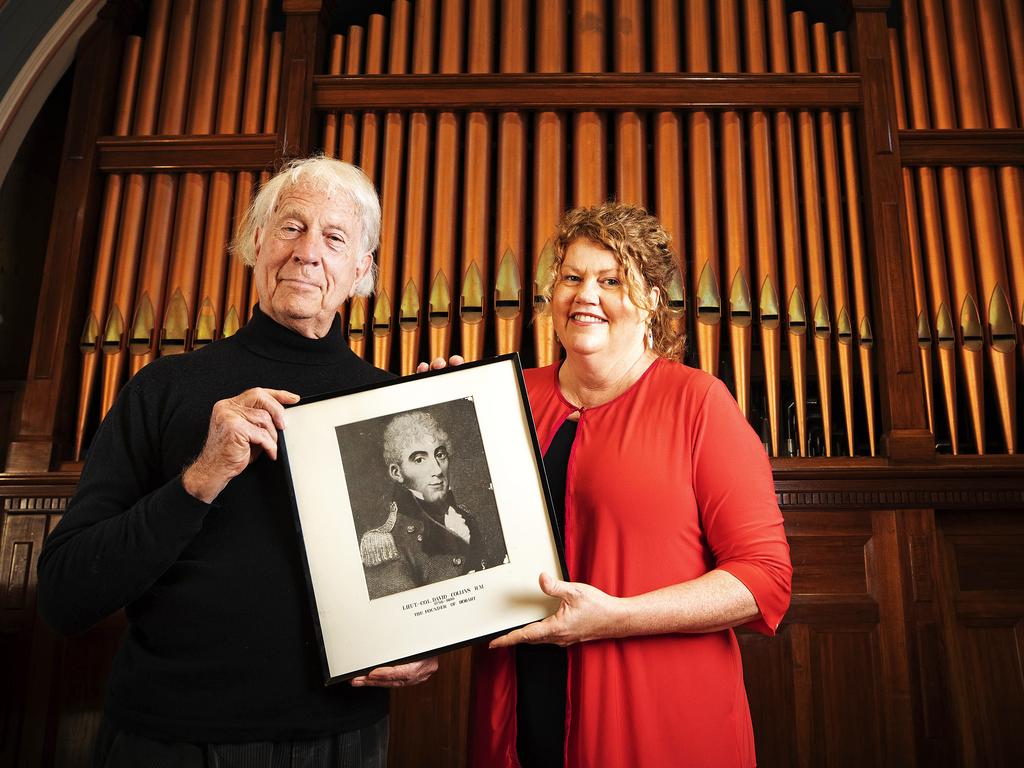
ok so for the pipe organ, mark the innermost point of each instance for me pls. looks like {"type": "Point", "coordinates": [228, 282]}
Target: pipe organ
{"type": "Point", "coordinates": [846, 202]}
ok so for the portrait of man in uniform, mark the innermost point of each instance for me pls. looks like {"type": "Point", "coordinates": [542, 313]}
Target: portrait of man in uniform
{"type": "Point", "coordinates": [435, 519]}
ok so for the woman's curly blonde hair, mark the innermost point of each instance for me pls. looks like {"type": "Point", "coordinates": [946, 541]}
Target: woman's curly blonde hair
{"type": "Point", "coordinates": [642, 247]}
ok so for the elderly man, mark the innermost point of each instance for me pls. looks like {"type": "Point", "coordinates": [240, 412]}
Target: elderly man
{"type": "Point", "coordinates": [182, 515]}
{"type": "Point", "coordinates": [427, 536]}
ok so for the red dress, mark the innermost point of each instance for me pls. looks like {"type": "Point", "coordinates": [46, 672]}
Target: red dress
{"type": "Point", "coordinates": [665, 483]}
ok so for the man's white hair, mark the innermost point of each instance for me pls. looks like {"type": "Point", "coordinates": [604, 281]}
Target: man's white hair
{"type": "Point", "coordinates": [331, 177]}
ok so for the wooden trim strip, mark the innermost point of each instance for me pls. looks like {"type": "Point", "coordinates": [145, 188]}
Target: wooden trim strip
{"type": "Point", "coordinates": [962, 147]}
{"type": "Point", "coordinates": [594, 90]}
{"type": "Point", "coordinates": [225, 152]}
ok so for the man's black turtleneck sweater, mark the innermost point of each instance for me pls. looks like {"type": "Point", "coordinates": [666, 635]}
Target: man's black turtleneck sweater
{"type": "Point", "coordinates": [220, 644]}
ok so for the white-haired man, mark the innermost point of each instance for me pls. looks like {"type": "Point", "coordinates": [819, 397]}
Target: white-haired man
{"type": "Point", "coordinates": [182, 514]}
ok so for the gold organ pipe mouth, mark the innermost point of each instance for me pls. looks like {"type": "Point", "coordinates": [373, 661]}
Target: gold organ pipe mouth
{"type": "Point", "coordinates": [709, 303]}
{"type": "Point", "coordinates": [114, 332]}
{"type": "Point", "coordinates": [357, 317]}
{"type": "Point", "coordinates": [739, 300]}
{"type": "Point", "coordinates": [844, 328]}
{"type": "Point", "coordinates": [822, 325]}
{"type": "Point", "coordinates": [175, 331]}
{"type": "Point", "coordinates": [507, 288]}
{"type": "Point", "coordinates": [944, 326]}
{"type": "Point", "coordinates": [970, 325]}
{"type": "Point", "coordinates": [206, 325]}
{"type": "Point", "coordinates": [1000, 320]}
{"type": "Point", "coordinates": [382, 315]}
{"type": "Point", "coordinates": [471, 309]}
{"type": "Point", "coordinates": [924, 333]}
{"type": "Point", "coordinates": [90, 334]}
{"type": "Point", "coordinates": [769, 305]}
{"type": "Point", "coordinates": [542, 275]}
{"type": "Point", "coordinates": [440, 301]}
{"type": "Point", "coordinates": [796, 316]}
{"type": "Point", "coordinates": [409, 310]}
{"type": "Point", "coordinates": [142, 328]}
{"type": "Point", "coordinates": [676, 294]}
{"type": "Point", "coordinates": [232, 322]}
{"type": "Point", "coordinates": [867, 338]}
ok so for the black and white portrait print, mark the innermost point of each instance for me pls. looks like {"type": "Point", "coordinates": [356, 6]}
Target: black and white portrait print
{"type": "Point", "coordinates": [421, 496]}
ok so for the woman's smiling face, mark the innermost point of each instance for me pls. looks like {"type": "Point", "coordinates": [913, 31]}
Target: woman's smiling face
{"type": "Point", "coordinates": [591, 306]}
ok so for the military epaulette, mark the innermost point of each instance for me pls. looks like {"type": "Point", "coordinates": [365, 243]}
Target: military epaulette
{"type": "Point", "coordinates": [377, 546]}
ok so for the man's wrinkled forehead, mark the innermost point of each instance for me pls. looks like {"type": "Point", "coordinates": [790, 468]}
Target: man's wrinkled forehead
{"type": "Point", "coordinates": [334, 208]}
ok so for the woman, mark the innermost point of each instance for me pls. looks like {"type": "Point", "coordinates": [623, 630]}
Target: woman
{"type": "Point", "coordinates": [671, 529]}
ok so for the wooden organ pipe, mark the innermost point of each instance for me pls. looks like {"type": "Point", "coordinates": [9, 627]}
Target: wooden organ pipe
{"type": "Point", "coordinates": [792, 255]}
{"type": "Point", "coordinates": [510, 229]}
{"type": "Point", "coordinates": [997, 318]}
{"type": "Point", "coordinates": [924, 334]}
{"type": "Point", "coordinates": [736, 249]}
{"type": "Point", "coordinates": [416, 176]}
{"type": "Point", "coordinates": [932, 239]}
{"type": "Point", "coordinates": [269, 121]}
{"type": "Point", "coordinates": [703, 196]}
{"type": "Point", "coordinates": [476, 191]}
{"type": "Point", "coordinates": [189, 219]}
{"type": "Point", "coordinates": [549, 176]}
{"type": "Point", "coordinates": [1013, 17]}
{"type": "Point", "coordinates": [218, 214]}
{"type": "Point", "coordinates": [237, 291]}
{"type": "Point", "coordinates": [391, 185]}
{"type": "Point", "coordinates": [1002, 115]}
{"type": "Point", "coordinates": [359, 315]}
{"type": "Point", "coordinates": [858, 266]}
{"type": "Point", "coordinates": [269, 125]}
{"type": "Point", "coordinates": [668, 152]}
{"type": "Point", "coordinates": [630, 125]}
{"type": "Point", "coordinates": [957, 229]}
{"type": "Point", "coordinates": [590, 184]}
{"type": "Point", "coordinates": [761, 179]}
{"type": "Point", "coordinates": [105, 249]}
{"type": "Point", "coordinates": [446, 201]}
{"type": "Point", "coordinates": [331, 119]}
{"type": "Point", "coordinates": [163, 187]}
{"type": "Point", "coordinates": [837, 253]}
{"type": "Point", "coordinates": [814, 241]}
{"type": "Point", "coordinates": [347, 125]}
{"type": "Point", "coordinates": [126, 259]}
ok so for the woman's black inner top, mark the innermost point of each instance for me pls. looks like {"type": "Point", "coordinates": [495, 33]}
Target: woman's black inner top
{"type": "Point", "coordinates": [542, 670]}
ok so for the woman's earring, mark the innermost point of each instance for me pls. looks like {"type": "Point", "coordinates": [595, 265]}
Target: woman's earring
{"type": "Point", "coordinates": [650, 337]}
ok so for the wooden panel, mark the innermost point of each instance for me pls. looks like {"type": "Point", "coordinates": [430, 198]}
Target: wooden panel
{"type": "Point", "coordinates": [829, 564]}
{"type": "Point", "coordinates": [769, 680]}
{"type": "Point", "coordinates": [846, 701]}
{"type": "Point", "coordinates": [993, 669]}
{"type": "Point", "coordinates": [446, 694]}
{"type": "Point", "coordinates": [982, 606]}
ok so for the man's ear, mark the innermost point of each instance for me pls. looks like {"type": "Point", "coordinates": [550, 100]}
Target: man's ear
{"type": "Point", "coordinates": [362, 266]}
{"type": "Point", "coordinates": [256, 241]}
{"type": "Point", "coordinates": [395, 473]}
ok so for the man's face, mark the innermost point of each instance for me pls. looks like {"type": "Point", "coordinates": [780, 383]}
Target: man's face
{"type": "Point", "coordinates": [424, 467]}
{"type": "Point", "coordinates": [308, 260]}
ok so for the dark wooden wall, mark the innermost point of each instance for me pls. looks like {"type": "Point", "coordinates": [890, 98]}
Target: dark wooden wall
{"type": "Point", "coordinates": [905, 640]}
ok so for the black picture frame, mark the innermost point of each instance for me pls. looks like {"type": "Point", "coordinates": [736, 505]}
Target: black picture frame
{"type": "Point", "coordinates": [438, 544]}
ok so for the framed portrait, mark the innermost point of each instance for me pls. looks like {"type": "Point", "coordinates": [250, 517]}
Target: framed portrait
{"type": "Point", "coordinates": [424, 513]}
